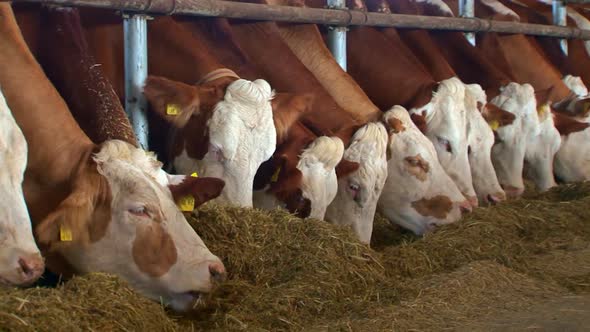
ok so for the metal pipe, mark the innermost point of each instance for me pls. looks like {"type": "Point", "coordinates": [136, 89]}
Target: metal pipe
{"type": "Point", "coordinates": [467, 10]}
{"type": "Point", "coordinates": [321, 16]}
{"type": "Point", "coordinates": [560, 18]}
{"type": "Point", "coordinates": [135, 35]}
{"type": "Point", "coordinates": [337, 36]}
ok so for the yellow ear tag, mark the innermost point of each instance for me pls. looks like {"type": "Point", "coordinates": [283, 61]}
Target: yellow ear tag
{"type": "Point", "coordinates": [172, 109]}
{"type": "Point", "coordinates": [65, 234]}
{"type": "Point", "coordinates": [542, 110]}
{"type": "Point", "coordinates": [275, 176]}
{"type": "Point", "coordinates": [494, 125]}
{"type": "Point", "coordinates": [187, 203]}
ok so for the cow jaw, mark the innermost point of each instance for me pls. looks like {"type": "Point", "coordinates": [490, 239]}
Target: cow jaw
{"type": "Point", "coordinates": [358, 192]}
{"type": "Point", "coordinates": [242, 136]}
{"type": "Point", "coordinates": [418, 194]}
{"type": "Point", "coordinates": [447, 130]}
{"type": "Point", "coordinates": [509, 149]}
{"type": "Point", "coordinates": [16, 236]}
{"type": "Point", "coordinates": [317, 165]}
{"type": "Point", "coordinates": [147, 240]}
{"type": "Point", "coordinates": [480, 139]}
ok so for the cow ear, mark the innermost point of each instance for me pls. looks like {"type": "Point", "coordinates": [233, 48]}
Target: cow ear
{"type": "Point", "coordinates": [345, 167]}
{"type": "Point", "coordinates": [420, 121]}
{"type": "Point", "coordinates": [497, 117]}
{"type": "Point", "coordinates": [174, 101]}
{"type": "Point", "coordinates": [287, 108]}
{"type": "Point", "coordinates": [202, 189]}
{"type": "Point", "coordinates": [566, 125]}
{"type": "Point", "coordinates": [79, 218]}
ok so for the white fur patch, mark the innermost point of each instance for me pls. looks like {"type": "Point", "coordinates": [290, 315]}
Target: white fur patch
{"type": "Point", "coordinates": [576, 84]}
{"type": "Point", "coordinates": [356, 208]}
{"type": "Point", "coordinates": [317, 164]}
{"type": "Point", "coordinates": [438, 3]}
{"type": "Point", "coordinates": [499, 8]}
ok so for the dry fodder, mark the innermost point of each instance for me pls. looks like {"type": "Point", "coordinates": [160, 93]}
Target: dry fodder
{"type": "Point", "coordinates": [96, 302]}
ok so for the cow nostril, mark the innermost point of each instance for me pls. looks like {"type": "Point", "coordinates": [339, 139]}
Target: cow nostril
{"type": "Point", "coordinates": [217, 272]}
{"type": "Point", "coordinates": [465, 207]}
{"type": "Point", "coordinates": [31, 267]}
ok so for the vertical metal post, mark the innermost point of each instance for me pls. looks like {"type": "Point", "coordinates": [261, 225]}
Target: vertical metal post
{"type": "Point", "coordinates": [337, 36]}
{"type": "Point", "coordinates": [560, 18]}
{"type": "Point", "coordinates": [135, 35]}
{"type": "Point", "coordinates": [466, 10]}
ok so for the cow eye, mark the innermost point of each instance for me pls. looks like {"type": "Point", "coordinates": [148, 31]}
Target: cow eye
{"type": "Point", "coordinates": [140, 211]}
{"type": "Point", "coordinates": [413, 161]}
{"type": "Point", "coordinates": [445, 144]}
{"type": "Point", "coordinates": [216, 152]}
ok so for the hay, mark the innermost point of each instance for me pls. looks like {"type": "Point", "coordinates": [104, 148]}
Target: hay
{"type": "Point", "coordinates": [291, 274]}
{"type": "Point", "coordinates": [96, 302]}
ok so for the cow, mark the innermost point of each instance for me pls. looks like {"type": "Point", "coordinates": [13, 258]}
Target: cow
{"type": "Point", "coordinates": [479, 137]}
{"type": "Point", "coordinates": [438, 106]}
{"type": "Point", "coordinates": [228, 131]}
{"type": "Point", "coordinates": [21, 263]}
{"type": "Point", "coordinates": [102, 207]}
{"type": "Point", "coordinates": [418, 195]}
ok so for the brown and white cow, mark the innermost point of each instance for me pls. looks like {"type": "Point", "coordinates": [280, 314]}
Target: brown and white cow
{"type": "Point", "coordinates": [20, 260]}
{"type": "Point", "coordinates": [106, 207]}
{"type": "Point", "coordinates": [226, 128]}
{"type": "Point", "coordinates": [418, 194]}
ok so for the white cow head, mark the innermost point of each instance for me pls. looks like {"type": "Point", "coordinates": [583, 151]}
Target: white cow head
{"type": "Point", "coordinates": [572, 161]}
{"type": "Point", "coordinates": [446, 127]}
{"type": "Point", "coordinates": [358, 192]}
{"type": "Point", "coordinates": [418, 194]}
{"type": "Point", "coordinates": [541, 150]}
{"type": "Point", "coordinates": [121, 218]}
{"type": "Point", "coordinates": [480, 139]}
{"type": "Point", "coordinates": [313, 184]}
{"type": "Point", "coordinates": [241, 132]}
{"type": "Point", "coordinates": [513, 117]}
{"type": "Point", "coordinates": [20, 259]}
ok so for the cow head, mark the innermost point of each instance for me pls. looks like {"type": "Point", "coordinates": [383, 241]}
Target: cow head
{"type": "Point", "coordinates": [20, 259]}
{"type": "Point", "coordinates": [418, 194]}
{"type": "Point", "coordinates": [480, 140]}
{"type": "Point", "coordinates": [541, 150]}
{"type": "Point", "coordinates": [446, 127]}
{"type": "Point", "coordinates": [240, 132]}
{"type": "Point", "coordinates": [572, 161]}
{"type": "Point", "coordinates": [121, 218]}
{"type": "Point", "coordinates": [359, 191]}
{"type": "Point", "coordinates": [513, 118]}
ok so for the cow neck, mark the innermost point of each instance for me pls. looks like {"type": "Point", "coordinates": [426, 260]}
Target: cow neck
{"type": "Point", "coordinates": [281, 68]}
{"type": "Point", "coordinates": [305, 41]}
{"type": "Point", "coordinates": [387, 81]}
{"type": "Point", "coordinates": [421, 44]}
{"type": "Point", "coordinates": [65, 55]}
{"type": "Point", "coordinates": [54, 138]}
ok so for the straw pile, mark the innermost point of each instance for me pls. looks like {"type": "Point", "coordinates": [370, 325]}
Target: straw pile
{"type": "Point", "coordinates": [291, 274]}
{"type": "Point", "coordinates": [96, 302]}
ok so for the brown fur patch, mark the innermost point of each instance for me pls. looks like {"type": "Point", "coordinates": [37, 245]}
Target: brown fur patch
{"type": "Point", "coordinates": [396, 125]}
{"type": "Point", "coordinates": [493, 113]}
{"type": "Point", "coordinates": [153, 250]}
{"type": "Point", "coordinates": [345, 167]}
{"type": "Point", "coordinates": [438, 206]}
{"type": "Point", "coordinates": [417, 166]}
{"type": "Point", "coordinates": [420, 121]}
{"type": "Point", "coordinates": [567, 125]}
{"type": "Point", "coordinates": [202, 189]}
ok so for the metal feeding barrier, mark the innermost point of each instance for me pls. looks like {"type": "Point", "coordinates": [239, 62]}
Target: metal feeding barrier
{"type": "Point", "coordinates": [336, 16]}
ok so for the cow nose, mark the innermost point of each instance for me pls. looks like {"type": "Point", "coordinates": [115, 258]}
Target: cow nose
{"type": "Point", "coordinates": [496, 198]}
{"type": "Point", "coordinates": [217, 272]}
{"type": "Point", "coordinates": [465, 206]}
{"type": "Point", "coordinates": [513, 192]}
{"type": "Point", "coordinates": [473, 201]}
{"type": "Point", "coordinates": [30, 267]}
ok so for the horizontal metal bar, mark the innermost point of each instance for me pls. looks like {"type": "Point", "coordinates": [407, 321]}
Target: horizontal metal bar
{"type": "Point", "coordinates": [338, 17]}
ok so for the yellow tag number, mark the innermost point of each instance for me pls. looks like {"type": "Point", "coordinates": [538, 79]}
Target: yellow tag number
{"type": "Point", "coordinates": [65, 234]}
{"type": "Point", "coordinates": [186, 204]}
{"type": "Point", "coordinates": [172, 109]}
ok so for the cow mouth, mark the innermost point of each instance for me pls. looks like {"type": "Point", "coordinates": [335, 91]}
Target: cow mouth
{"type": "Point", "coordinates": [187, 301]}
